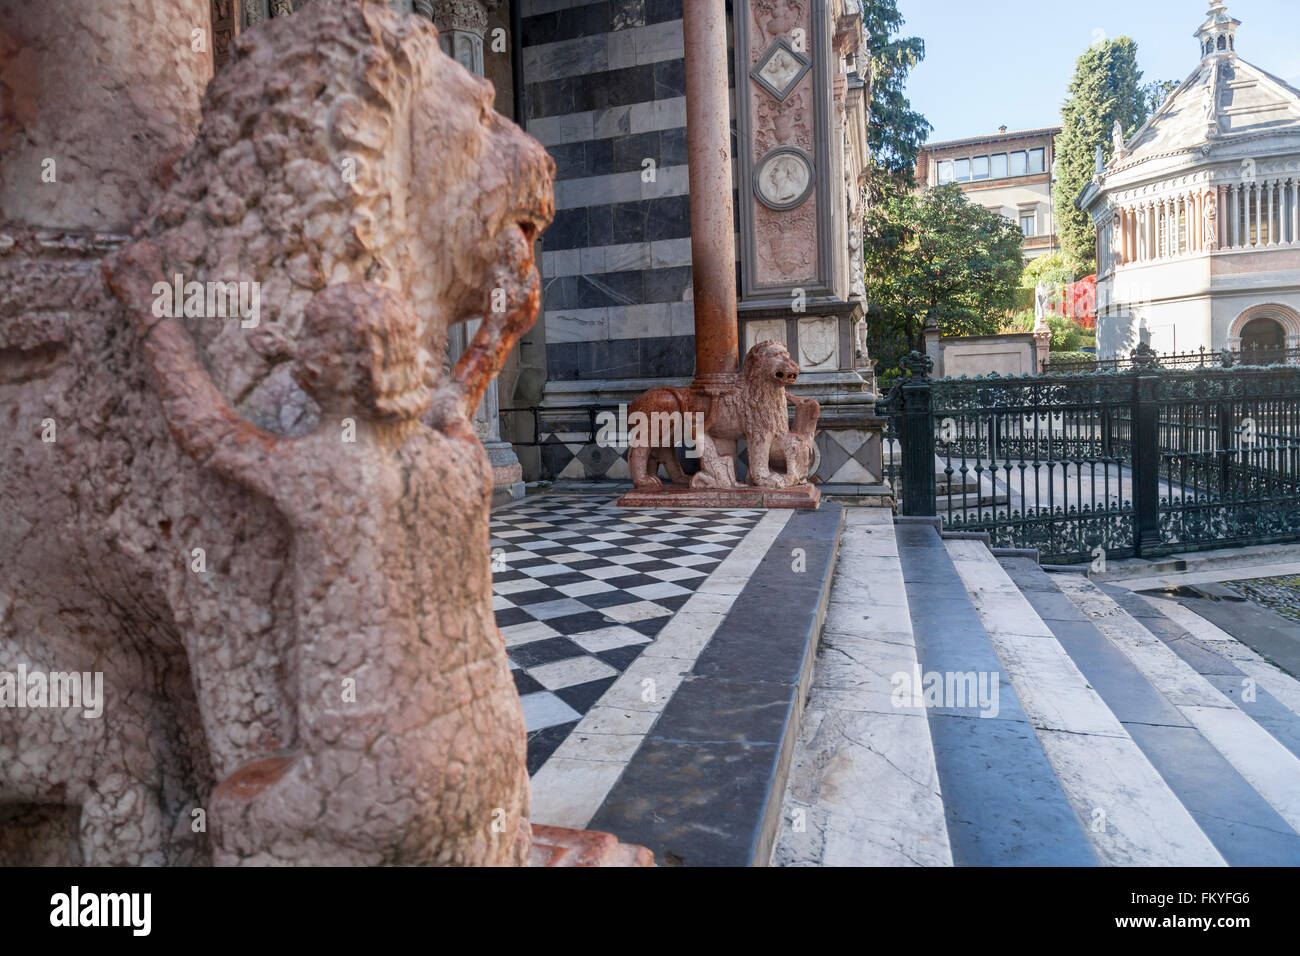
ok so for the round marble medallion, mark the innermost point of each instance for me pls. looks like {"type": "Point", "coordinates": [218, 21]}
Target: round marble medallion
{"type": "Point", "coordinates": [783, 178]}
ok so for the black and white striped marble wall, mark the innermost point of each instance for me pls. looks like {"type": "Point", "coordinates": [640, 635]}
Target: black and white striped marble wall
{"type": "Point", "coordinates": [604, 91]}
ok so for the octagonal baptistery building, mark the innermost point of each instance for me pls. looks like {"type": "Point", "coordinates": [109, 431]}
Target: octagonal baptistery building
{"type": "Point", "coordinates": [1198, 214]}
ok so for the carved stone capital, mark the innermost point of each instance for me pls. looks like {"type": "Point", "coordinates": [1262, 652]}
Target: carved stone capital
{"type": "Point", "coordinates": [469, 16]}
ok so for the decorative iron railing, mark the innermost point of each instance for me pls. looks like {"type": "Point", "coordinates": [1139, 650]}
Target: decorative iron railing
{"type": "Point", "coordinates": [570, 420]}
{"type": "Point", "coordinates": [1201, 358]}
{"type": "Point", "coordinates": [1144, 461]}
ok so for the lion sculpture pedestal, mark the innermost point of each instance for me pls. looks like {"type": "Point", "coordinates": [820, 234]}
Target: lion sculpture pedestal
{"type": "Point", "coordinates": [756, 410]}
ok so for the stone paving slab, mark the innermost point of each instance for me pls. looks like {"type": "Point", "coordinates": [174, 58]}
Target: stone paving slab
{"type": "Point", "coordinates": [584, 757]}
{"type": "Point", "coordinates": [583, 589]}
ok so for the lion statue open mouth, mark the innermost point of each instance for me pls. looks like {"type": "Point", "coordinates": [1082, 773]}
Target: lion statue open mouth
{"type": "Point", "coordinates": [292, 597]}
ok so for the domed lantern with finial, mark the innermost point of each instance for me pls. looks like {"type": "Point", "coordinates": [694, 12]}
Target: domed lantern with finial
{"type": "Point", "coordinates": [1218, 33]}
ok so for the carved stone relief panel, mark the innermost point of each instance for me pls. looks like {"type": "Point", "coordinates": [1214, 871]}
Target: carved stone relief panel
{"type": "Point", "coordinates": [777, 48]}
{"type": "Point", "coordinates": [783, 178]}
{"type": "Point", "coordinates": [225, 26]}
{"type": "Point", "coordinates": [764, 330]}
{"type": "Point", "coordinates": [780, 69]}
{"type": "Point", "coordinates": [819, 343]}
{"type": "Point", "coordinates": [785, 244]}
{"type": "Point", "coordinates": [782, 124]}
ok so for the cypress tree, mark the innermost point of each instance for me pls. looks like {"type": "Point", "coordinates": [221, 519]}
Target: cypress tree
{"type": "Point", "coordinates": [1107, 86]}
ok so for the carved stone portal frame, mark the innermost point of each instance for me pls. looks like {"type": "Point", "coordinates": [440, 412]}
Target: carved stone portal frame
{"type": "Point", "coordinates": [814, 18]}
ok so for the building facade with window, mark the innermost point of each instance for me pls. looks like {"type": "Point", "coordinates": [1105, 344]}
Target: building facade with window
{"type": "Point", "coordinates": [1009, 173]}
{"type": "Point", "coordinates": [1198, 214]}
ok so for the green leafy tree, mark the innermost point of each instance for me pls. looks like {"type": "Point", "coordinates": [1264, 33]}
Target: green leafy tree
{"type": "Point", "coordinates": [936, 254]}
{"type": "Point", "coordinates": [1051, 270]}
{"type": "Point", "coordinates": [897, 132]}
{"type": "Point", "coordinates": [1067, 336]}
{"type": "Point", "coordinates": [1107, 86]}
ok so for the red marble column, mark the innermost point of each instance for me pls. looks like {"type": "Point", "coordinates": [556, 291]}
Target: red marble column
{"type": "Point", "coordinates": [708, 149]}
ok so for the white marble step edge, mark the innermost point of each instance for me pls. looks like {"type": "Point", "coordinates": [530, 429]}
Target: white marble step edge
{"type": "Point", "coordinates": [1271, 769]}
{"type": "Point", "coordinates": [1130, 814]}
{"type": "Point", "coordinates": [1202, 571]}
{"type": "Point", "coordinates": [864, 785]}
{"type": "Point", "coordinates": [1267, 676]}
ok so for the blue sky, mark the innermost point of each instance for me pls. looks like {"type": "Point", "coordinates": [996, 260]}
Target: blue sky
{"type": "Point", "coordinates": [1010, 61]}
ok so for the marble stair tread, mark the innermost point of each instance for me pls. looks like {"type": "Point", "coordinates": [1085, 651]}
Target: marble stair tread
{"type": "Point", "coordinates": [1226, 676]}
{"type": "Point", "coordinates": [705, 786]}
{"type": "Point", "coordinates": [1238, 781]}
{"type": "Point", "coordinates": [1260, 628]}
{"type": "Point", "coordinates": [1121, 721]}
{"type": "Point", "coordinates": [1003, 802]}
{"type": "Point", "coordinates": [1133, 818]}
{"type": "Point", "coordinates": [864, 789]}
{"type": "Point", "coordinates": [1268, 677]}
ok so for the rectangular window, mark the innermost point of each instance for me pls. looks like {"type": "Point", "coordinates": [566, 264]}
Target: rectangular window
{"type": "Point", "coordinates": [963, 170]}
{"type": "Point", "coordinates": [1037, 159]}
{"type": "Point", "coordinates": [980, 167]}
{"type": "Point", "coordinates": [1029, 223]}
{"type": "Point", "coordinates": [1018, 164]}
{"type": "Point", "coordinates": [999, 166]}
{"type": "Point", "coordinates": [945, 172]}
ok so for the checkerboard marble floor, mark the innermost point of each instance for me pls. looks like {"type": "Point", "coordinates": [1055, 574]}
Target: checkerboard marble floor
{"type": "Point", "coordinates": [582, 587]}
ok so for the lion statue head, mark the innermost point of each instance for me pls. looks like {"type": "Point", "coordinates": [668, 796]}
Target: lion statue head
{"type": "Point", "coordinates": [768, 365]}
{"type": "Point", "coordinates": [341, 145]}
{"type": "Point", "coordinates": [765, 372]}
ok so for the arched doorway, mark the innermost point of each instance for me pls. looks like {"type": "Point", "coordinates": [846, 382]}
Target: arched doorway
{"type": "Point", "coordinates": [1263, 341]}
{"type": "Point", "coordinates": [1266, 334]}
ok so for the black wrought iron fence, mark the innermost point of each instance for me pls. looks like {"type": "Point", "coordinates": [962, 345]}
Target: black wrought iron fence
{"type": "Point", "coordinates": [1145, 461]}
{"type": "Point", "coordinates": [577, 419]}
{"type": "Point", "coordinates": [1201, 358]}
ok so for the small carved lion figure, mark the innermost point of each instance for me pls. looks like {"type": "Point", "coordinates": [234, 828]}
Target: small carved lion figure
{"type": "Point", "coordinates": [409, 731]}
{"type": "Point", "coordinates": [755, 410]}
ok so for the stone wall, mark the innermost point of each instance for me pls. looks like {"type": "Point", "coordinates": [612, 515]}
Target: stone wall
{"type": "Point", "coordinates": [604, 91]}
{"type": "Point", "coordinates": [973, 355]}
